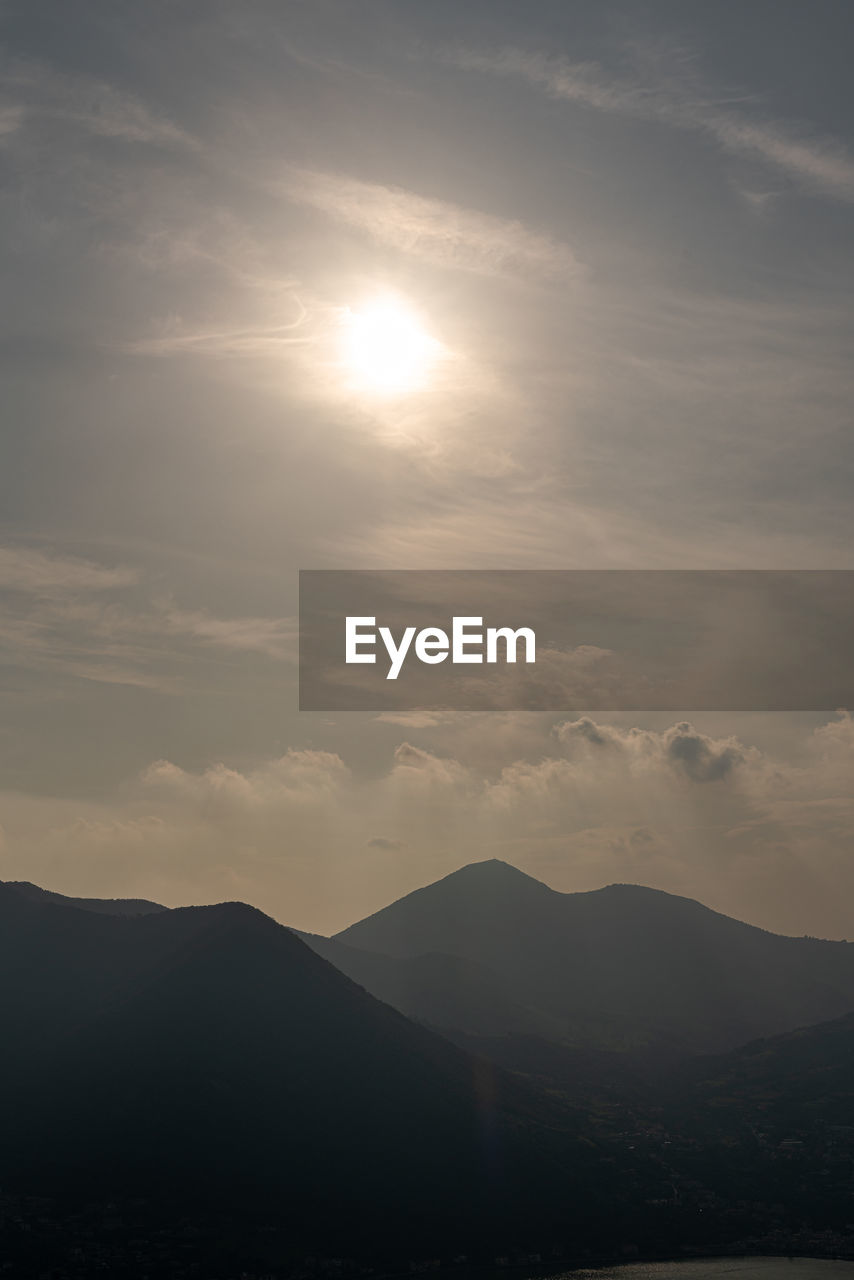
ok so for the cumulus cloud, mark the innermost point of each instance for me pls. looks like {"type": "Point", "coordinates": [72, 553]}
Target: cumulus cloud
{"type": "Point", "coordinates": [742, 829]}
{"type": "Point", "coordinates": [297, 776]}
{"type": "Point", "coordinates": [696, 755]}
{"type": "Point", "coordinates": [702, 759]}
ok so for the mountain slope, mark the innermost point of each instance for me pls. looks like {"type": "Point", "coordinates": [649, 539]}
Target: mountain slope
{"type": "Point", "coordinates": [442, 991]}
{"type": "Point", "coordinates": [800, 1084]}
{"type": "Point", "coordinates": [107, 906]}
{"type": "Point", "coordinates": [206, 1055]}
{"type": "Point", "coordinates": [620, 966]}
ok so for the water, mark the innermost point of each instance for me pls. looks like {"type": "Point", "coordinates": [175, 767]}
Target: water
{"type": "Point", "coordinates": [723, 1269]}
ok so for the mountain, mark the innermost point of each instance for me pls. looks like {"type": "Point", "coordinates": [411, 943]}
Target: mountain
{"type": "Point", "coordinates": [795, 1086]}
{"type": "Point", "coordinates": [768, 1127]}
{"type": "Point", "coordinates": [108, 906]}
{"type": "Point", "coordinates": [199, 1086]}
{"type": "Point", "coordinates": [618, 967]}
{"type": "Point", "coordinates": [206, 1056]}
{"type": "Point", "coordinates": [443, 991]}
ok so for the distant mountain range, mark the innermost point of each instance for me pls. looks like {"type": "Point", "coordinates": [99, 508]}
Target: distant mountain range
{"type": "Point", "coordinates": [489, 951]}
{"type": "Point", "coordinates": [593, 1083]}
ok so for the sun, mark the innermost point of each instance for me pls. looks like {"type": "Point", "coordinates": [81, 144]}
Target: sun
{"type": "Point", "coordinates": [386, 348]}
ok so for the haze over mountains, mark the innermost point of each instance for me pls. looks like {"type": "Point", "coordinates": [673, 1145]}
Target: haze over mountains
{"type": "Point", "coordinates": [206, 1060]}
{"type": "Point", "coordinates": [491, 951]}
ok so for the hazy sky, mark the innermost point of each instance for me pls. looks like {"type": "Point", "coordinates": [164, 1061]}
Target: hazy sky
{"type": "Point", "coordinates": [624, 233]}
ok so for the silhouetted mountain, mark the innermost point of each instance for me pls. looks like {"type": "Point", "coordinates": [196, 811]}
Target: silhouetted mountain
{"type": "Point", "coordinates": [203, 1067]}
{"type": "Point", "coordinates": [441, 991]}
{"type": "Point", "coordinates": [108, 906]}
{"type": "Point", "coordinates": [618, 967]}
{"type": "Point", "coordinates": [206, 1055]}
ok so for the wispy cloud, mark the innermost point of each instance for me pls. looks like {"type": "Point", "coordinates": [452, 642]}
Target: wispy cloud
{"type": "Point", "coordinates": [668, 89]}
{"type": "Point", "coordinates": [74, 617]}
{"type": "Point", "coordinates": [11, 119]}
{"type": "Point", "coordinates": [445, 234]}
{"type": "Point", "coordinates": [37, 91]}
{"type": "Point", "coordinates": [43, 641]}
{"type": "Point", "coordinates": [275, 637]}
{"type": "Point", "coordinates": [35, 572]}
{"type": "Point", "coordinates": [178, 339]}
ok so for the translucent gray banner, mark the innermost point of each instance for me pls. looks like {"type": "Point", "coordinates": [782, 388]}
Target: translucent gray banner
{"type": "Point", "coordinates": [594, 640]}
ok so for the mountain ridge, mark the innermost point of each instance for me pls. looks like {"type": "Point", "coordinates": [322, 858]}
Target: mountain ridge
{"type": "Point", "coordinates": [619, 966]}
{"type": "Point", "coordinates": [488, 952]}
{"type": "Point", "coordinates": [105, 906]}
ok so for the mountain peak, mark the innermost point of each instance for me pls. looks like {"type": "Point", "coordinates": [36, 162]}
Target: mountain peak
{"type": "Point", "coordinates": [492, 871]}
{"type": "Point", "coordinates": [480, 890]}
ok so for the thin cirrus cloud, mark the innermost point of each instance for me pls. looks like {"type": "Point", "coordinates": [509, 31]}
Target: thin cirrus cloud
{"type": "Point", "coordinates": [273, 637]}
{"type": "Point", "coordinates": [72, 616]}
{"type": "Point", "coordinates": [441, 233]}
{"type": "Point", "coordinates": [671, 93]}
{"type": "Point", "coordinates": [177, 338]}
{"type": "Point", "coordinates": [36, 92]}
{"type": "Point", "coordinates": [36, 572]}
{"type": "Point", "coordinates": [106, 643]}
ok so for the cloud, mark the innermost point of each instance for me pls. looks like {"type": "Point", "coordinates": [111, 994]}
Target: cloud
{"type": "Point", "coordinates": [11, 119]}
{"type": "Point", "coordinates": [74, 617]}
{"type": "Point", "coordinates": [669, 91]}
{"type": "Point", "coordinates": [40, 92]}
{"type": "Point", "coordinates": [702, 759]}
{"type": "Point", "coordinates": [418, 719]}
{"type": "Point", "coordinates": [40, 573]}
{"type": "Point", "coordinates": [746, 830]}
{"type": "Point", "coordinates": [444, 234]}
{"type": "Point", "coordinates": [177, 338]}
{"type": "Point", "coordinates": [297, 776]}
{"type": "Point", "coordinates": [419, 773]}
{"type": "Point", "coordinates": [694, 755]}
{"type": "Point", "coordinates": [274, 637]}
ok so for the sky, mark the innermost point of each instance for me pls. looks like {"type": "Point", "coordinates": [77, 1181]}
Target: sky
{"type": "Point", "coordinates": [617, 241]}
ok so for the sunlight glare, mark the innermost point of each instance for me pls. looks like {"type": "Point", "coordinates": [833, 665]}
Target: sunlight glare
{"type": "Point", "coordinates": [387, 349]}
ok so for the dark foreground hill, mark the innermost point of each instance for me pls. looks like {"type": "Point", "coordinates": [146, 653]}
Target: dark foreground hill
{"type": "Point", "coordinates": [206, 1057]}
{"type": "Point", "coordinates": [620, 967]}
{"type": "Point", "coordinates": [795, 1088]}
{"type": "Point", "coordinates": [198, 1087]}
